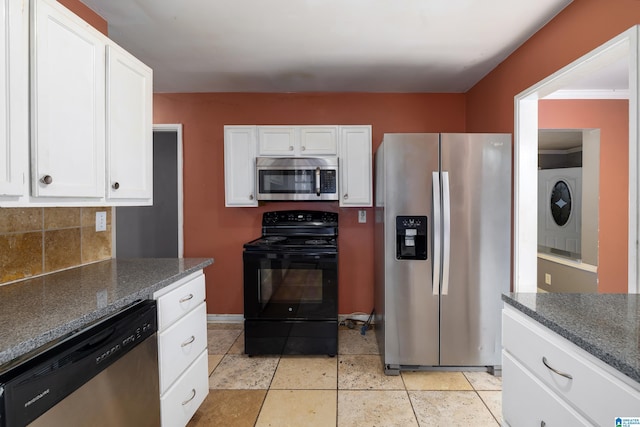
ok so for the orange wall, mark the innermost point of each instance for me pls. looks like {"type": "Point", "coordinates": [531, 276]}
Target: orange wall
{"type": "Point", "coordinates": [612, 118]}
{"type": "Point", "coordinates": [211, 230]}
{"type": "Point", "coordinates": [578, 29]}
{"type": "Point", "coordinates": [80, 9]}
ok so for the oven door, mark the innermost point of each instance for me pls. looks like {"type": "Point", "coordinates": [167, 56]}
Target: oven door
{"type": "Point", "coordinates": [291, 285]}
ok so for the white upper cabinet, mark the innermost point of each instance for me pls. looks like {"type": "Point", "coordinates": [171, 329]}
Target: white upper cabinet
{"type": "Point", "coordinates": [352, 145]}
{"type": "Point", "coordinates": [67, 105]}
{"type": "Point", "coordinates": [240, 166]}
{"type": "Point", "coordinates": [129, 127]}
{"type": "Point", "coordinates": [355, 164]}
{"type": "Point", "coordinates": [297, 141]}
{"type": "Point", "coordinates": [14, 98]}
{"type": "Point", "coordinates": [318, 140]}
{"type": "Point", "coordinates": [276, 141]}
{"type": "Point", "coordinates": [75, 112]}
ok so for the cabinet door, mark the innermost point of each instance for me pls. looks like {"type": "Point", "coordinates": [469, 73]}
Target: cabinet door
{"type": "Point", "coordinates": [277, 141]}
{"type": "Point", "coordinates": [240, 166]}
{"type": "Point", "coordinates": [14, 97]}
{"type": "Point", "coordinates": [318, 141]}
{"type": "Point", "coordinates": [67, 111]}
{"type": "Point", "coordinates": [129, 127]}
{"type": "Point", "coordinates": [355, 166]}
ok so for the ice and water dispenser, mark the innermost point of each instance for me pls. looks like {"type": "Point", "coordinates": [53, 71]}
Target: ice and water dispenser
{"type": "Point", "coordinates": [411, 237]}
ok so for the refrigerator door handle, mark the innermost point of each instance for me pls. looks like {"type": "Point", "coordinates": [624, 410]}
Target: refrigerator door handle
{"type": "Point", "coordinates": [435, 284]}
{"type": "Point", "coordinates": [446, 238]}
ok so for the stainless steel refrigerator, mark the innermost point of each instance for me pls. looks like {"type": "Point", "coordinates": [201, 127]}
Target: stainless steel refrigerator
{"type": "Point", "coordinates": [442, 248]}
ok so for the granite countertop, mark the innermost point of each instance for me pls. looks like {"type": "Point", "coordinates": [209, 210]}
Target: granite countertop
{"type": "Point", "coordinates": [605, 325]}
{"type": "Point", "coordinates": [38, 311]}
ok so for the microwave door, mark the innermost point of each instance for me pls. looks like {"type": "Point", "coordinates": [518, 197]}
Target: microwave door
{"type": "Point", "coordinates": [286, 182]}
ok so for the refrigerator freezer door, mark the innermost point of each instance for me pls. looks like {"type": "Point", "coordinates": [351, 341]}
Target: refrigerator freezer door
{"type": "Point", "coordinates": [479, 171]}
{"type": "Point", "coordinates": [410, 307]}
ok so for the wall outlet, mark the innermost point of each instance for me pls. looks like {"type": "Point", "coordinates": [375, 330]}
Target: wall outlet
{"type": "Point", "coordinates": [362, 216]}
{"type": "Point", "coordinates": [547, 278]}
{"type": "Point", "coordinates": [101, 221]}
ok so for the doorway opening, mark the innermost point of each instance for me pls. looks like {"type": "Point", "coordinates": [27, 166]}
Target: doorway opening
{"type": "Point", "coordinates": [156, 231]}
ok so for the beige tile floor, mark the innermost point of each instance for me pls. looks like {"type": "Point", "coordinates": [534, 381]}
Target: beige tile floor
{"type": "Point", "coordinates": [349, 390]}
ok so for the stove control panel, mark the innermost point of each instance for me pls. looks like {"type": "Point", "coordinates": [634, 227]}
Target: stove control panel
{"type": "Point", "coordinates": [299, 217]}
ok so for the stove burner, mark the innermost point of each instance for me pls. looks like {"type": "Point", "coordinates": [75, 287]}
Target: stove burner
{"type": "Point", "coordinates": [315, 242]}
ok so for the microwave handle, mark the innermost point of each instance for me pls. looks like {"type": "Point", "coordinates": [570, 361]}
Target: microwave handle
{"type": "Point", "coordinates": [318, 181]}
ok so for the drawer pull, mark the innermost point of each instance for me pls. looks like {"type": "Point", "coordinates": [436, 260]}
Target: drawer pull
{"type": "Point", "coordinates": [562, 374]}
{"type": "Point", "coordinates": [187, 298]}
{"type": "Point", "coordinates": [193, 395]}
{"type": "Point", "coordinates": [189, 341]}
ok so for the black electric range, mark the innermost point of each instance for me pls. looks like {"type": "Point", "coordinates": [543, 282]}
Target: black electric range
{"type": "Point", "coordinates": [291, 284]}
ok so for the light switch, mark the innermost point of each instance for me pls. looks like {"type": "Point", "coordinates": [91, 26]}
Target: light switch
{"type": "Point", "coordinates": [362, 216]}
{"type": "Point", "coordinates": [547, 278]}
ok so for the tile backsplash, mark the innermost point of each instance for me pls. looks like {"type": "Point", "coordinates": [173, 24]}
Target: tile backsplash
{"type": "Point", "coordinates": [35, 241]}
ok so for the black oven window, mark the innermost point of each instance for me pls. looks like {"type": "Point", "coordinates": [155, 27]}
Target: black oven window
{"type": "Point", "coordinates": [292, 286]}
{"type": "Point", "coordinates": [285, 181]}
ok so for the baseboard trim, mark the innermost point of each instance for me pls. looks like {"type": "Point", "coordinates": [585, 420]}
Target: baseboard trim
{"type": "Point", "coordinates": [239, 318]}
{"type": "Point", "coordinates": [225, 318]}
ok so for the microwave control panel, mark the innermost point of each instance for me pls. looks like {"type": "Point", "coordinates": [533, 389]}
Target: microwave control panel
{"type": "Point", "coordinates": [328, 181]}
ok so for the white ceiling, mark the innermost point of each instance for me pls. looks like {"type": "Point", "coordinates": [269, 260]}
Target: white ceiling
{"type": "Point", "coordinates": [322, 45]}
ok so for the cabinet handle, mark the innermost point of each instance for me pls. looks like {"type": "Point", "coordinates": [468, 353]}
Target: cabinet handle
{"type": "Point", "coordinates": [189, 341]}
{"type": "Point", "coordinates": [47, 179]}
{"type": "Point", "coordinates": [562, 374]}
{"type": "Point", "coordinates": [291, 148]}
{"type": "Point", "coordinates": [303, 148]}
{"type": "Point", "coordinates": [115, 185]}
{"type": "Point", "coordinates": [187, 298]}
{"type": "Point", "coordinates": [193, 395]}
{"type": "Point", "coordinates": [346, 196]}
{"type": "Point", "coordinates": [250, 196]}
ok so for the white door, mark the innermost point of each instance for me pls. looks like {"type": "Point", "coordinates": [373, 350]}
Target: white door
{"type": "Point", "coordinates": [355, 166]}
{"type": "Point", "coordinates": [14, 97]}
{"type": "Point", "coordinates": [129, 127]}
{"type": "Point", "coordinates": [240, 166]}
{"type": "Point", "coordinates": [318, 140]}
{"type": "Point", "coordinates": [560, 208]}
{"type": "Point", "coordinates": [277, 141]}
{"type": "Point", "coordinates": [67, 112]}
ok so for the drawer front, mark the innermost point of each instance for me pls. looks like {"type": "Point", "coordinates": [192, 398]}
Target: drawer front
{"type": "Point", "coordinates": [176, 303]}
{"type": "Point", "coordinates": [596, 393]}
{"type": "Point", "coordinates": [183, 399]}
{"type": "Point", "coordinates": [179, 345]}
{"type": "Point", "coordinates": [527, 402]}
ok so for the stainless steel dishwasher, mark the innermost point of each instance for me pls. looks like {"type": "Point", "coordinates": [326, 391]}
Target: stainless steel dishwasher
{"type": "Point", "coordinates": [104, 375]}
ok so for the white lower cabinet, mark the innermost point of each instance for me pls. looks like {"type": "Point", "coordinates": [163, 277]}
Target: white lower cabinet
{"type": "Point", "coordinates": [182, 349]}
{"type": "Point", "coordinates": [526, 401]}
{"type": "Point", "coordinates": [184, 397]}
{"type": "Point", "coordinates": [548, 379]}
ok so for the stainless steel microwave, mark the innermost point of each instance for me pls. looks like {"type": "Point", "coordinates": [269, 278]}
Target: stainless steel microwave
{"type": "Point", "coordinates": [297, 178]}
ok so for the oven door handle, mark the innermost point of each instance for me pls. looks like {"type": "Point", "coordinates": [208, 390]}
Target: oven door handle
{"type": "Point", "coordinates": [318, 181]}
